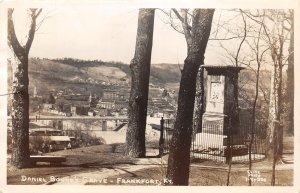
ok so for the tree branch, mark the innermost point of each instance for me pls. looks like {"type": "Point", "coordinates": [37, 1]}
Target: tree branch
{"type": "Point", "coordinates": [12, 37]}
{"type": "Point", "coordinates": [186, 27]}
{"type": "Point", "coordinates": [178, 15]}
{"type": "Point", "coordinates": [241, 43]}
{"type": "Point", "coordinates": [171, 20]}
{"type": "Point", "coordinates": [38, 25]}
{"type": "Point", "coordinates": [32, 29]}
{"type": "Point", "coordinates": [39, 12]}
{"type": "Point", "coordinates": [230, 38]}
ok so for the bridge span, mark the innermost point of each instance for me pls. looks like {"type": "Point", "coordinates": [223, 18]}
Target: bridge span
{"type": "Point", "coordinates": [33, 118]}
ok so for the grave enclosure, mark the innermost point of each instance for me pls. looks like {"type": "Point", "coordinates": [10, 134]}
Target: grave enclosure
{"type": "Point", "coordinates": [223, 134]}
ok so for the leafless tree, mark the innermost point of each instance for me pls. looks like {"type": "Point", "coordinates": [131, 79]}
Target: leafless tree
{"type": "Point", "coordinates": [256, 52]}
{"type": "Point", "coordinates": [235, 123]}
{"type": "Point", "coordinates": [290, 76]}
{"type": "Point", "coordinates": [277, 36]}
{"type": "Point", "coordinates": [234, 55]}
{"type": "Point", "coordinates": [259, 52]}
{"type": "Point", "coordinates": [140, 72]}
{"type": "Point", "coordinates": [20, 97]}
{"type": "Point", "coordinates": [196, 26]}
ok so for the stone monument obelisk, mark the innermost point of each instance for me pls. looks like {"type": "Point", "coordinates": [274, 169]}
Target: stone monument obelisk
{"type": "Point", "coordinates": [221, 116]}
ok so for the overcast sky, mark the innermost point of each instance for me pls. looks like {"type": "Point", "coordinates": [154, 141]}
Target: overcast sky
{"type": "Point", "coordinates": [106, 33]}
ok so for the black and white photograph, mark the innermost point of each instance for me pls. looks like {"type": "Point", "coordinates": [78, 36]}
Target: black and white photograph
{"type": "Point", "coordinates": [113, 94]}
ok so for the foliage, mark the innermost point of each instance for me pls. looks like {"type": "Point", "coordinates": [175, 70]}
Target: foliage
{"type": "Point", "coordinates": [51, 99]}
{"type": "Point", "coordinates": [86, 139]}
{"type": "Point", "coordinates": [36, 143]}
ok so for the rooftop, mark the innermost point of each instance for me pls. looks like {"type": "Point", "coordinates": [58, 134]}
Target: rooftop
{"type": "Point", "coordinates": [59, 138]}
{"type": "Point", "coordinates": [222, 67]}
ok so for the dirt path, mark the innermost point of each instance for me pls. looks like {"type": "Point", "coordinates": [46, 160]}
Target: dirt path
{"type": "Point", "coordinates": [101, 175]}
{"type": "Point", "coordinates": [106, 163]}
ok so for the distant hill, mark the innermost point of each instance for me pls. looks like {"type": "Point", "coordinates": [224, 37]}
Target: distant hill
{"type": "Point", "coordinates": [165, 73]}
{"type": "Point", "coordinates": [87, 75]}
{"type": "Point", "coordinates": [160, 73]}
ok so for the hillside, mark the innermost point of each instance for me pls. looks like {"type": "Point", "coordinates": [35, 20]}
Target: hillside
{"type": "Point", "coordinates": [85, 76]}
{"type": "Point", "coordinates": [160, 73]}
{"type": "Point", "coordinates": [88, 76]}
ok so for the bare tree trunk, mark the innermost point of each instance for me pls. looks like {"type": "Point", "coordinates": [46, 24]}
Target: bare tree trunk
{"type": "Point", "coordinates": [20, 114]}
{"type": "Point", "coordinates": [290, 82]}
{"type": "Point", "coordinates": [275, 128]}
{"type": "Point", "coordinates": [20, 98]}
{"type": "Point", "coordinates": [259, 57]}
{"type": "Point", "coordinates": [276, 41]}
{"type": "Point", "coordinates": [275, 131]}
{"type": "Point", "coordinates": [252, 131]}
{"type": "Point", "coordinates": [179, 157]}
{"type": "Point", "coordinates": [199, 103]}
{"type": "Point", "coordinates": [140, 72]}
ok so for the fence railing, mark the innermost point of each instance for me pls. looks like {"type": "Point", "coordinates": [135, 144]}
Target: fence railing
{"type": "Point", "coordinates": [218, 147]}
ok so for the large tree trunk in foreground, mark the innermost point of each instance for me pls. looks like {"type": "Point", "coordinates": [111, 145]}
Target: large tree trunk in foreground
{"type": "Point", "coordinates": [140, 72]}
{"type": "Point", "coordinates": [20, 114]}
{"type": "Point", "coordinates": [20, 98]}
{"type": "Point", "coordinates": [179, 157]}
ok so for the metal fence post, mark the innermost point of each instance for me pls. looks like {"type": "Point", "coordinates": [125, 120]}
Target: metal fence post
{"type": "Point", "coordinates": [228, 155]}
{"type": "Point", "coordinates": [161, 138]}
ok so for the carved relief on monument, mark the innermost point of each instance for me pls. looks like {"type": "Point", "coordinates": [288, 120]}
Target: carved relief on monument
{"type": "Point", "coordinates": [216, 92]}
{"type": "Point", "coordinates": [216, 89]}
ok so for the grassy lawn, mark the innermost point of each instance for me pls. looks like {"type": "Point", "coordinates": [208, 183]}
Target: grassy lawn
{"type": "Point", "coordinates": [110, 157]}
{"type": "Point", "coordinates": [78, 160]}
{"type": "Point", "coordinates": [200, 177]}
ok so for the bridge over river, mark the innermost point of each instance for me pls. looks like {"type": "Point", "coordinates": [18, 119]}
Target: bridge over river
{"type": "Point", "coordinates": [43, 117]}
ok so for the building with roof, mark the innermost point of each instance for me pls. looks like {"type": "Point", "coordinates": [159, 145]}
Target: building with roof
{"type": "Point", "coordinates": [110, 94]}
{"type": "Point", "coordinates": [44, 131]}
{"type": "Point", "coordinates": [106, 103]}
{"type": "Point", "coordinates": [58, 142]}
{"type": "Point", "coordinates": [80, 110]}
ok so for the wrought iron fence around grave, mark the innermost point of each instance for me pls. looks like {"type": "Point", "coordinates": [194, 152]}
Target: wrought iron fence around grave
{"type": "Point", "coordinates": [166, 131]}
{"type": "Point", "coordinates": [215, 146]}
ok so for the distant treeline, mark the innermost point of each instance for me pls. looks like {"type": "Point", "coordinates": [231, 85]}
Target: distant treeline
{"type": "Point", "coordinates": [160, 73]}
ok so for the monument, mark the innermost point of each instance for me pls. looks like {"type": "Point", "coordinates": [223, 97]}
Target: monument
{"type": "Point", "coordinates": [221, 117]}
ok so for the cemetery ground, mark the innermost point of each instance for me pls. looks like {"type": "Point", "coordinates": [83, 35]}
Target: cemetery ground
{"type": "Point", "coordinates": [106, 165]}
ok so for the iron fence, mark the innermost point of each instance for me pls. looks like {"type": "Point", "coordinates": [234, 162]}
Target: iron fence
{"type": "Point", "coordinates": [218, 147]}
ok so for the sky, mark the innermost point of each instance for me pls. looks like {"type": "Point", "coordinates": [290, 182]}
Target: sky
{"type": "Point", "coordinates": [102, 33]}
{"type": "Point", "coordinates": [106, 34]}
